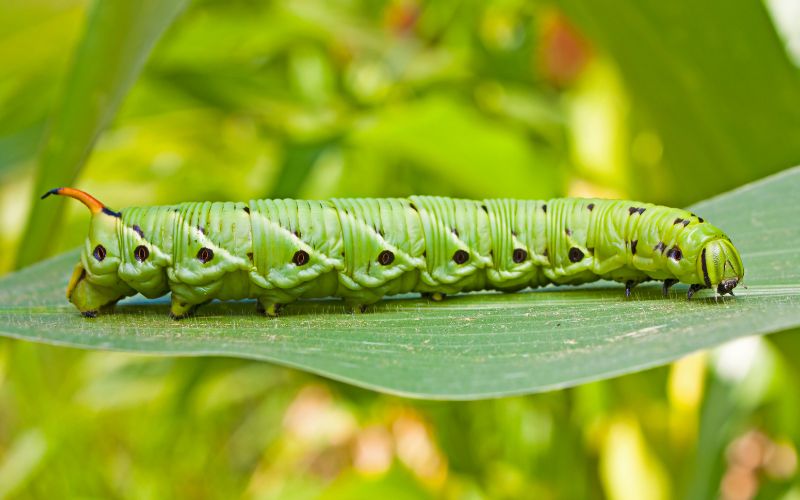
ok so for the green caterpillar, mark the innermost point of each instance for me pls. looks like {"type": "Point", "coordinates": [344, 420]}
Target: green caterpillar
{"type": "Point", "coordinates": [278, 251]}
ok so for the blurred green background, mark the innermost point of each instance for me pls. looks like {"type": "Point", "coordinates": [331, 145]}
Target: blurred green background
{"type": "Point", "coordinates": [669, 102]}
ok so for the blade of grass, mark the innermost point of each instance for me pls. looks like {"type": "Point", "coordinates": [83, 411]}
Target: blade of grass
{"type": "Point", "coordinates": [468, 347]}
{"type": "Point", "coordinates": [116, 42]}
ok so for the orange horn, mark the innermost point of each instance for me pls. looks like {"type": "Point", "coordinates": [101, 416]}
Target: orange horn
{"type": "Point", "coordinates": [92, 203]}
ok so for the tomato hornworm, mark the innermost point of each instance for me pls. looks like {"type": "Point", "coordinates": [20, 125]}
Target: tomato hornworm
{"type": "Point", "coordinates": [361, 249]}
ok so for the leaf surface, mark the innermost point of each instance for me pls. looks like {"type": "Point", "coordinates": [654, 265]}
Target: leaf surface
{"type": "Point", "coordinates": [470, 346]}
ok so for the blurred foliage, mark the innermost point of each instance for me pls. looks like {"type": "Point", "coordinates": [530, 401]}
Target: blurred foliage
{"type": "Point", "coordinates": [671, 101]}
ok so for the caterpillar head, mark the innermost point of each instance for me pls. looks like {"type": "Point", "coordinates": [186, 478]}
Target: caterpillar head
{"type": "Point", "coordinates": [720, 264]}
{"type": "Point", "coordinates": [95, 283]}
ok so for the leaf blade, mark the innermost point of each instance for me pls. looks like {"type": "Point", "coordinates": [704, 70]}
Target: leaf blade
{"type": "Point", "coordinates": [468, 347]}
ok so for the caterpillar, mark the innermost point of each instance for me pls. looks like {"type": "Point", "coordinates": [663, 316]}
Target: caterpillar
{"type": "Point", "coordinates": [361, 249]}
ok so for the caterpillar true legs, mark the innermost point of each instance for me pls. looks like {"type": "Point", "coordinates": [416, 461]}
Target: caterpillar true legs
{"type": "Point", "coordinates": [278, 251]}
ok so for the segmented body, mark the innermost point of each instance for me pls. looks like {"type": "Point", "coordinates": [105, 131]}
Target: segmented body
{"type": "Point", "coordinates": [279, 251]}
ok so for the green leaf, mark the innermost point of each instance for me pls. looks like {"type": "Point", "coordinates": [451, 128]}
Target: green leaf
{"type": "Point", "coordinates": [117, 40]}
{"type": "Point", "coordinates": [703, 87]}
{"type": "Point", "coordinates": [467, 347]}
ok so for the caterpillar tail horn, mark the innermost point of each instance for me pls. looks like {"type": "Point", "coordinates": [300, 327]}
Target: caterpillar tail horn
{"type": "Point", "coordinates": [93, 204]}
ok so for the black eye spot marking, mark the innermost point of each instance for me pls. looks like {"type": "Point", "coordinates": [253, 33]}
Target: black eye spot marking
{"type": "Point", "coordinates": [246, 209]}
{"type": "Point", "coordinates": [675, 253]}
{"type": "Point", "coordinates": [138, 231]}
{"type": "Point", "coordinates": [300, 258]}
{"type": "Point", "coordinates": [567, 231]}
{"type": "Point", "coordinates": [483, 207]}
{"type": "Point", "coordinates": [297, 234]}
{"type": "Point", "coordinates": [205, 254]}
{"type": "Point", "coordinates": [519, 255]}
{"type": "Point", "coordinates": [660, 247]}
{"type": "Point", "coordinates": [460, 257]}
{"type": "Point", "coordinates": [677, 221]}
{"type": "Point", "coordinates": [700, 219]}
{"type": "Point", "coordinates": [591, 250]}
{"type": "Point", "coordinates": [455, 232]}
{"type": "Point", "coordinates": [201, 229]}
{"type": "Point", "coordinates": [634, 210]}
{"type": "Point", "coordinates": [633, 246]}
{"type": "Point", "coordinates": [413, 207]}
{"type": "Point", "coordinates": [141, 253]}
{"type": "Point", "coordinates": [575, 254]}
{"type": "Point", "coordinates": [385, 258]}
{"type": "Point", "coordinates": [250, 256]}
{"type": "Point", "coordinates": [544, 208]}
{"type": "Point", "coordinates": [590, 206]}
{"type": "Point", "coordinates": [545, 253]}
{"type": "Point", "coordinates": [99, 253]}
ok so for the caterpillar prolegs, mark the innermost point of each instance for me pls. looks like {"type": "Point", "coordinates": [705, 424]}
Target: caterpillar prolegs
{"type": "Point", "coordinates": [278, 251]}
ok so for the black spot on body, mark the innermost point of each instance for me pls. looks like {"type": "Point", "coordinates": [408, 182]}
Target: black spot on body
{"type": "Point", "coordinates": [633, 246]}
{"type": "Point", "coordinates": [455, 232]}
{"type": "Point", "coordinates": [700, 219]}
{"type": "Point", "coordinates": [591, 250]}
{"type": "Point", "coordinates": [300, 258]}
{"type": "Point", "coordinates": [250, 256]}
{"type": "Point", "coordinates": [590, 206]}
{"type": "Point", "coordinates": [385, 258]}
{"type": "Point", "coordinates": [675, 253]}
{"type": "Point", "coordinates": [246, 209]}
{"type": "Point", "coordinates": [660, 247]}
{"type": "Point", "coordinates": [677, 221]}
{"type": "Point", "coordinates": [99, 253]}
{"type": "Point", "coordinates": [575, 254]}
{"type": "Point", "coordinates": [297, 234]}
{"type": "Point", "coordinates": [201, 229]}
{"type": "Point", "coordinates": [544, 208]}
{"type": "Point", "coordinates": [545, 253]}
{"type": "Point", "coordinates": [460, 257]}
{"type": "Point", "coordinates": [205, 254]}
{"type": "Point", "coordinates": [413, 207]}
{"type": "Point", "coordinates": [567, 231]}
{"type": "Point", "coordinates": [138, 230]}
{"type": "Point", "coordinates": [483, 207]}
{"type": "Point", "coordinates": [141, 253]}
{"type": "Point", "coordinates": [519, 255]}
{"type": "Point", "coordinates": [636, 210]}
{"type": "Point", "coordinates": [425, 253]}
